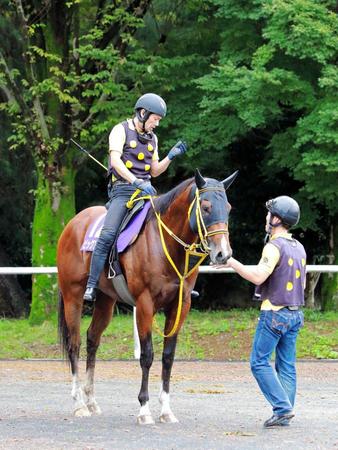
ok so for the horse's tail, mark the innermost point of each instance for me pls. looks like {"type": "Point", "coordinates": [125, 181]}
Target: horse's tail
{"type": "Point", "coordinates": [62, 328]}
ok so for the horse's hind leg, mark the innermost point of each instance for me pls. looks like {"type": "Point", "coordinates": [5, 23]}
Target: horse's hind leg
{"type": "Point", "coordinates": [101, 318]}
{"type": "Point", "coordinates": [71, 342]}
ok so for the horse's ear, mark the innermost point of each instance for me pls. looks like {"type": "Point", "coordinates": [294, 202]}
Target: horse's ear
{"type": "Point", "coordinates": [228, 181]}
{"type": "Point", "coordinates": [199, 180]}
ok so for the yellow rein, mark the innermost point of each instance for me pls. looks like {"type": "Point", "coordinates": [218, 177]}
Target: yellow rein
{"type": "Point", "coordinates": [190, 249]}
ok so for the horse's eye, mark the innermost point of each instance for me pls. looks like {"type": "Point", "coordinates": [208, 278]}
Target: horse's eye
{"type": "Point", "coordinates": [206, 209]}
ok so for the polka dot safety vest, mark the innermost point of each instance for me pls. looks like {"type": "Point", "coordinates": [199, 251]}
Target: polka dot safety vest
{"type": "Point", "coordinates": [285, 286]}
{"type": "Point", "coordinates": [136, 156]}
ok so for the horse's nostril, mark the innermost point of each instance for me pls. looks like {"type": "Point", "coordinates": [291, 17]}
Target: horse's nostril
{"type": "Point", "coordinates": [219, 257]}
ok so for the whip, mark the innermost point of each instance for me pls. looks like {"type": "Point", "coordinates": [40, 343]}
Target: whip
{"type": "Point", "coordinates": [88, 154]}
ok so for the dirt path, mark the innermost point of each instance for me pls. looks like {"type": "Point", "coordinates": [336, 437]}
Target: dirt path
{"type": "Point", "coordinates": [218, 404]}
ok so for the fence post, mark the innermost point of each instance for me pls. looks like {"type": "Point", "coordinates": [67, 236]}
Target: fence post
{"type": "Point", "coordinates": [137, 347]}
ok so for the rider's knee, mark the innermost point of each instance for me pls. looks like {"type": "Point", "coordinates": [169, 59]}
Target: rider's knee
{"type": "Point", "coordinates": [107, 238]}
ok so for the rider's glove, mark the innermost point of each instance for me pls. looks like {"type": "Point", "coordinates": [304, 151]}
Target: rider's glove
{"type": "Point", "coordinates": [179, 149]}
{"type": "Point", "coordinates": [144, 186]}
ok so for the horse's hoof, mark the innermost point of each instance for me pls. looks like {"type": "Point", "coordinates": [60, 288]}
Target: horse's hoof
{"type": "Point", "coordinates": [82, 412]}
{"type": "Point", "coordinates": [94, 409]}
{"type": "Point", "coordinates": [168, 418]}
{"type": "Point", "coordinates": [145, 420]}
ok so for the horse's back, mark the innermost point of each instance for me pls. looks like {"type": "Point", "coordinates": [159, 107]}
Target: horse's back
{"type": "Point", "coordinates": [70, 259]}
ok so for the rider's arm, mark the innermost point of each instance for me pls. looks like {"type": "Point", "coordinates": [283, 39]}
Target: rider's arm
{"type": "Point", "coordinates": [259, 273]}
{"type": "Point", "coordinates": [117, 138]}
{"type": "Point", "coordinates": [119, 166]}
{"type": "Point", "coordinates": [158, 167]}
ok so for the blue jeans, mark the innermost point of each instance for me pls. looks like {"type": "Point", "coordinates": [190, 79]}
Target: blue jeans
{"type": "Point", "coordinates": [117, 210]}
{"type": "Point", "coordinates": [277, 331]}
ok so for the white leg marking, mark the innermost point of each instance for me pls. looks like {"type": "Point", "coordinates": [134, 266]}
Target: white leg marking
{"type": "Point", "coordinates": [145, 417]}
{"type": "Point", "coordinates": [89, 391]}
{"type": "Point", "coordinates": [167, 415]}
{"type": "Point", "coordinates": [80, 408]}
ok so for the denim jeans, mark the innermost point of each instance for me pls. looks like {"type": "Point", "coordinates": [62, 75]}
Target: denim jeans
{"type": "Point", "coordinates": [277, 331]}
{"type": "Point", "coordinates": [118, 197]}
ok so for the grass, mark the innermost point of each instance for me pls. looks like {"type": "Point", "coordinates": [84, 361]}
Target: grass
{"type": "Point", "coordinates": [220, 335]}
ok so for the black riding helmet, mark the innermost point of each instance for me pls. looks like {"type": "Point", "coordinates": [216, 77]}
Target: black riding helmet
{"type": "Point", "coordinates": [286, 208]}
{"type": "Point", "coordinates": [152, 104]}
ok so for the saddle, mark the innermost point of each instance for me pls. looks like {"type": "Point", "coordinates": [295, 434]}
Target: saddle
{"type": "Point", "coordinates": [127, 234]}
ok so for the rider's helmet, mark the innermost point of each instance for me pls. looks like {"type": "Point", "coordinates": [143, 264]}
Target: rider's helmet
{"type": "Point", "coordinates": [152, 104]}
{"type": "Point", "coordinates": [286, 208]}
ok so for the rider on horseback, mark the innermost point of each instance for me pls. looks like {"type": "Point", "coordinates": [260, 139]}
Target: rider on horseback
{"type": "Point", "coordinates": [133, 161]}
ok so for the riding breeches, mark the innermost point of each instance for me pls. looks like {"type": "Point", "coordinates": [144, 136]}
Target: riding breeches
{"type": "Point", "coordinates": [119, 195]}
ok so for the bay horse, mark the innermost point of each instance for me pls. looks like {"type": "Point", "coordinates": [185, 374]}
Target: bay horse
{"type": "Point", "coordinates": [193, 217]}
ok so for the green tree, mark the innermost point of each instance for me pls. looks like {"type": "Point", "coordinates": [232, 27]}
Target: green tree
{"type": "Point", "coordinates": [62, 67]}
{"type": "Point", "coordinates": [276, 78]}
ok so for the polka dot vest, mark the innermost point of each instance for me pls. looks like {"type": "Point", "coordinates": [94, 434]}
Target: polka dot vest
{"type": "Point", "coordinates": [137, 156]}
{"type": "Point", "coordinates": [285, 286]}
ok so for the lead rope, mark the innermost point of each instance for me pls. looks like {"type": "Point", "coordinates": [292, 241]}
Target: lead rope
{"type": "Point", "coordinates": [190, 250]}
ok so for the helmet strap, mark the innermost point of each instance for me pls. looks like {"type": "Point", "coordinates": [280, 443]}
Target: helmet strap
{"type": "Point", "coordinates": [143, 119]}
{"type": "Point", "coordinates": [271, 226]}
{"type": "Point", "coordinates": [144, 138]}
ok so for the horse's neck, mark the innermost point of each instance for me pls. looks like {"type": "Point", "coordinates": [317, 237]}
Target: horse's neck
{"type": "Point", "coordinates": [176, 218]}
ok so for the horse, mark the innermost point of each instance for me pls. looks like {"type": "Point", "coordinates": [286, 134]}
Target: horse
{"type": "Point", "coordinates": [190, 219]}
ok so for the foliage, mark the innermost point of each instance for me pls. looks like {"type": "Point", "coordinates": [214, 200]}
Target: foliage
{"type": "Point", "coordinates": [283, 83]}
{"type": "Point", "coordinates": [61, 75]}
{"type": "Point", "coordinates": [250, 85]}
{"type": "Point", "coordinates": [261, 98]}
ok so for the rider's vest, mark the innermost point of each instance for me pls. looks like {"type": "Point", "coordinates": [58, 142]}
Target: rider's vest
{"type": "Point", "coordinates": [285, 286]}
{"type": "Point", "coordinates": [136, 156]}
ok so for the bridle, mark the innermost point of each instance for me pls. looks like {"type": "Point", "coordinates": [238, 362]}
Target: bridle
{"type": "Point", "coordinates": [203, 233]}
{"type": "Point", "coordinates": [200, 250]}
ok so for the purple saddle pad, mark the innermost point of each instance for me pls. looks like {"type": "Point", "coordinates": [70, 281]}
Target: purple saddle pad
{"type": "Point", "coordinates": [126, 237]}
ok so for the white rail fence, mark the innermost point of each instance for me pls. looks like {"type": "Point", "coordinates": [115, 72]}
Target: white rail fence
{"type": "Point", "coordinates": [329, 268]}
{"type": "Point", "coordinates": [202, 269]}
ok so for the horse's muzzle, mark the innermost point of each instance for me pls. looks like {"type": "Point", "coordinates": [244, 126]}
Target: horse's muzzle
{"type": "Point", "coordinates": [219, 254]}
{"type": "Point", "coordinates": [221, 258]}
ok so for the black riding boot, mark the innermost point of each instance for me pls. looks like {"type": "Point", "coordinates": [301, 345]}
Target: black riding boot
{"type": "Point", "coordinates": [96, 267]}
{"type": "Point", "coordinates": [97, 263]}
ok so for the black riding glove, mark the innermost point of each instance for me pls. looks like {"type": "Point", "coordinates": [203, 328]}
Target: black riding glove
{"type": "Point", "coordinates": [179, 149]}
{"type": "Point", "coordinates": [144, 186]}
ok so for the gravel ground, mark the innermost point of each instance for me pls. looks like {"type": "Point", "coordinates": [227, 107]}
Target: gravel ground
{"type": "Point", "coordinates": [218, 404]}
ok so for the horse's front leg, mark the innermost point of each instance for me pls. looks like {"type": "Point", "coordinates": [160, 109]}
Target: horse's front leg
{"type": "Point", "coordinates": [144, 317]}
{"type": "Point", "coordinates": [101, 318]}
{"type": "Point", "coordinates": [169, 347]}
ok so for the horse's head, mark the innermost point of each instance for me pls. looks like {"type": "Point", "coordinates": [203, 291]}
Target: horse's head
{"type": "Point", "coordinates": [210, 214]}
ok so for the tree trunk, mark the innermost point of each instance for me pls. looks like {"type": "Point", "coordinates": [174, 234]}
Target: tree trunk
{"type": "Point", "coordinates": [311, 284]}
{"type": "Point", "coordinates": [13, 301]}
{"type": "Point", "coordinates": [54, 207]}
{"type": "Point", "coordinates": [330, 281]}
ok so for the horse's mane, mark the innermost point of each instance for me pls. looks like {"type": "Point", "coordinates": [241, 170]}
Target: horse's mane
{"type": "Point", "coordinates": [163, 202]}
